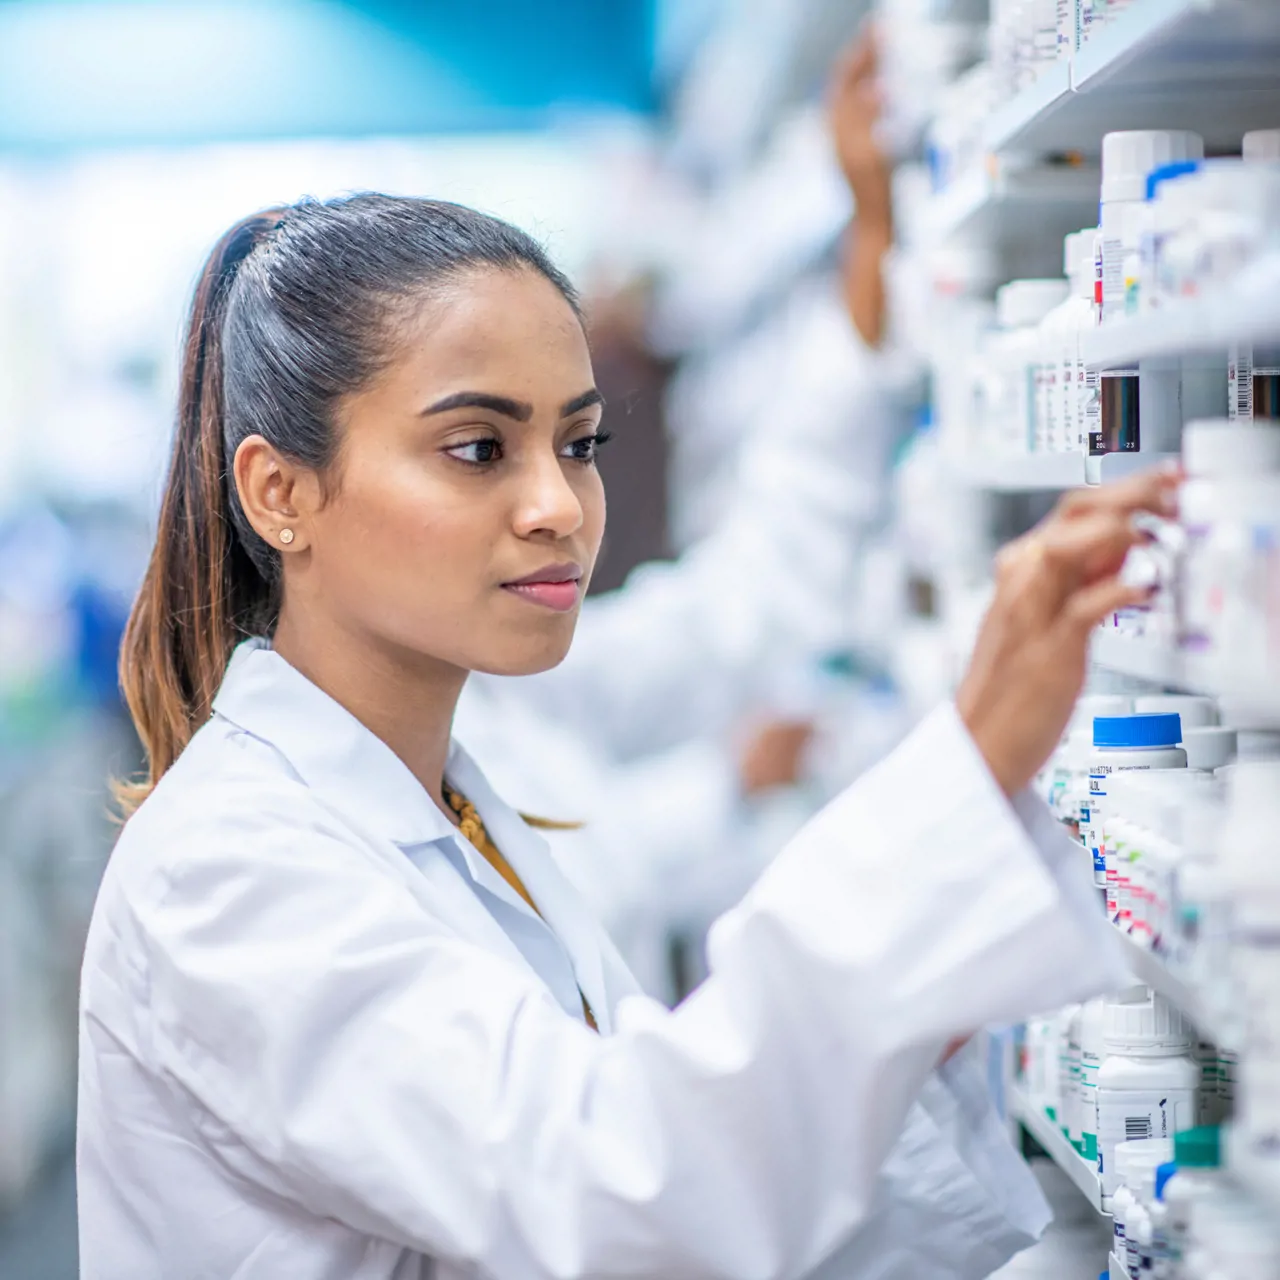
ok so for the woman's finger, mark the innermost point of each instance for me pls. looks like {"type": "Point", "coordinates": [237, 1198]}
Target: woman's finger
{"type": "Point", "coordinates": [1154, 491]}
{"type": "Point", "coordinates": [1091, 604]}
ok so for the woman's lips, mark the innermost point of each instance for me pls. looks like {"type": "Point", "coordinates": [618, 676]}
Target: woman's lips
{"type": "Point", "coordinates": [560, 596]}
{"type": "Point", "coordinates": [556, 586]}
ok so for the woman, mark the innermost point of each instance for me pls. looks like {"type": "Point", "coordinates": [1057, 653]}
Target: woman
{"type": "Point", "coordinates": [340, 1014]}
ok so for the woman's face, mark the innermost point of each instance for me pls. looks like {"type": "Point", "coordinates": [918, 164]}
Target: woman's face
{"type": "Point", "coordinates": [467, 511]}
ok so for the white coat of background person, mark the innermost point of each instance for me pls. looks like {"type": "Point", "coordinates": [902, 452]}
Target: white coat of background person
{"type": "Point", "coordinates": [323, 1032]}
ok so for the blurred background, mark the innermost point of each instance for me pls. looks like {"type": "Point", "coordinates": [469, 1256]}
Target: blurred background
{"type": "Point", "coordinates": [696, 166]}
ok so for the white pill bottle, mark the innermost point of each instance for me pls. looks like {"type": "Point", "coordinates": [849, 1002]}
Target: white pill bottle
{"type": "Point", "coordinates": [1120, 744]}
{"type": "Point", "coordinates": [1148, 1081]}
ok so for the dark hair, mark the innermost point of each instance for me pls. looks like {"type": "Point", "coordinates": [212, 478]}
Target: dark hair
{"type": "Point", "coordinates": [294, 310]}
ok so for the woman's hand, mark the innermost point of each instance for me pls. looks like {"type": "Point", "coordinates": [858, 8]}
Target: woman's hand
{"type": "Point", "coordinates": [1053, 586]}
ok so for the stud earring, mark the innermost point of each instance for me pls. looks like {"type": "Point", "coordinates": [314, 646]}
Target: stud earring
{"type": "Point", "coordinates": [286, 536]}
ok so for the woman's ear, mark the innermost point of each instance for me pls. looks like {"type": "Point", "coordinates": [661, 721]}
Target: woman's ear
{"type": "Point", "coordinates": [279, 497]}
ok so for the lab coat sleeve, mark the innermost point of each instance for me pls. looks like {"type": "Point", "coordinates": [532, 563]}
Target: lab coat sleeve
{"type": "Point", "coordinates": [415, 1086]}
{"type": "Point", "coordinates": [773, 581]}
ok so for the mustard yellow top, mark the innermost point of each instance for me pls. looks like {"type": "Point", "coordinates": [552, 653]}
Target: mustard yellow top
{"type": "Point", "coordinates": [471, 826]}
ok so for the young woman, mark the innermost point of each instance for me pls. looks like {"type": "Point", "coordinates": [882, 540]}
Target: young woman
{"type": "Point", "coordinates": [341, 1016]}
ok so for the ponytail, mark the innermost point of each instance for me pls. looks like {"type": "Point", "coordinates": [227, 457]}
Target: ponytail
{"type": "Point", "coordinates": [295, 309]}
{"type": "Point", "coordinates": [201, 593]}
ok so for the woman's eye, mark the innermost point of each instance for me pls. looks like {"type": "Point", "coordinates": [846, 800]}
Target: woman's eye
{"type": "Point", "coordinates": [477, 452]}
{"type": "Point", "coordinates": [586, 448]}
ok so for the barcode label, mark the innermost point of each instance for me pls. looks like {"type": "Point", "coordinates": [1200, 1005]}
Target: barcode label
{"type": "Point", "coordinates": [1240, 383]}
{"type": "Point", "coordinates": [1138, 1127]}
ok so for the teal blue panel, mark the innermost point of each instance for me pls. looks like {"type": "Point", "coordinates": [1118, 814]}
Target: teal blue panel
{"type": "Point", "coordinates": [89, 72]}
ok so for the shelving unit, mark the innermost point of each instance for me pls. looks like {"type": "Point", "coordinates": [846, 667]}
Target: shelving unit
{"type": "Point", "coordinates": [1063, 1154]}
{"type": "Point", "coordinates": [1212, 66]}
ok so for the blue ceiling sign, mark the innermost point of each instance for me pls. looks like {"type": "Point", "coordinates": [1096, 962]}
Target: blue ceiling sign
{"type": "Point", "coordinates": [97, 72]}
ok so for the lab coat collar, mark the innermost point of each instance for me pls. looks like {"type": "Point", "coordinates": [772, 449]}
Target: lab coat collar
{"type": "Point", "coordinates": [332, 752]}
{"type": "Point", "coordinates": [340, 759]}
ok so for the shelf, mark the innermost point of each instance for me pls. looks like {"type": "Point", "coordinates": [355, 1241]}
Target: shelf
{"type": "Point", "coordinates": [1024, 472]}
{"type": "Point", "coordinates": [1207, 65]}
{"type": "Point", "coordinates": [1081, 1171]}
{"type": "Point", "coordinates": [1162, 664]}
{"type": "Point", "coordinates": [1017, 210]}
{"type": "Point", "coordinates": [1028, 472]}
{"type": "Point", "coordinates": [1248, 311]}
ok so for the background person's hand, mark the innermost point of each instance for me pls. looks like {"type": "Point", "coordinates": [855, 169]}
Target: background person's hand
{"type": "Point", "coordinates": [1053, 586]}
{"type": "Point", "coordinates": [774, 755]}
{"type": "Point", "coordinates": [854, 106]}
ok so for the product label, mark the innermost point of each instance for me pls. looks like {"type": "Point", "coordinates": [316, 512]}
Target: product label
{"type": "Point", "coordinates": [1088, 1103]}
{"type": "Point", "coordinates": [1130, 1115]}
{"type": "Point", "coordinates": [1112, 277]}
{"type": "Point", "coordinates": [1265, 383]}
{"type": "Point", "coordinates": [1240, 383]}
{"type": "Point", "coordinates": [1117, 426]}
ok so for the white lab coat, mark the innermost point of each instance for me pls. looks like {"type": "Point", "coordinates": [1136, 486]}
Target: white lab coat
{"type": "Point", "coordinates": [321, 1037]}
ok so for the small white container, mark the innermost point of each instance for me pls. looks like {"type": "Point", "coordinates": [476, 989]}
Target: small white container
{"type": "Point", "coordinates": [1147, 1083]}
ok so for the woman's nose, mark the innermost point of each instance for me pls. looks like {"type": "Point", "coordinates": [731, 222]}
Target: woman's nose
{"type": "Point", "coordinates": [547, 502]}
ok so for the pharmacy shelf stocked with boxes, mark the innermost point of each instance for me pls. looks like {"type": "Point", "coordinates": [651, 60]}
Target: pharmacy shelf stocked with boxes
{"type": "Point", "coordinates": [1158, 340]}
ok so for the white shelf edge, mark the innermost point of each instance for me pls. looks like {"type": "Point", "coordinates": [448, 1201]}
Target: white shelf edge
{"type": "Point", "coordinates": [1162, 664]}
{"type": "Point", "coordinates": [1247, 311]}
{"type": "Point", "coordinates": [1059, 1150]}
{"type": "Point", "coordinates": [1014, 116]}
{"type": "Point", "coordinates": [1018, 472]}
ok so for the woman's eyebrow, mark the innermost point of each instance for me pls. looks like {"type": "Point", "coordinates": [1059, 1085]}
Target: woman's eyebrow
{"type": "Point", "coordinates": [504, 405]}
{"type": "Point", "coordinates": [584, 401]}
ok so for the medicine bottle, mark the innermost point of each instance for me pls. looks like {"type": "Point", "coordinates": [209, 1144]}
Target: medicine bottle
{"type": "Point", "coordinates": [1060, 382]}
{"type": "Point", "coordinates": [1121, 744]}
{"type": "Point", "coordinates": [1196, 1175]}
{"type": "Point", "coordinates": [1127, 158]}
{"type": "Point", "coordinates": [1147, 1082]}
{"type": "Point", "coordinates": [1015, 357]}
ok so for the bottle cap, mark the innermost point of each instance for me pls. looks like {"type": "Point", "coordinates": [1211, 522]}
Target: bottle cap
{"type": "Point", "coordinates": [1167, 172]}
{"type": "Point", "coordinates": [1261, 144]}
{"type": "Point", "coordinates": [1164, 730]}
{"type": "Point", "coordinates": [1026, 302]}
{"type": "Point", "coordinates": [1194, 710]}
{"type": "Point", "coordinates": [1220, 447]}
{"type": "Point", "coordinates": [1141, 1024]}
{"type": "Point", "coordinates": [1129, 156]}
{"type": "Point", "coordinates": [1198, 1148]}
{"type": "Point", "coordinates": [1209, 746]}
